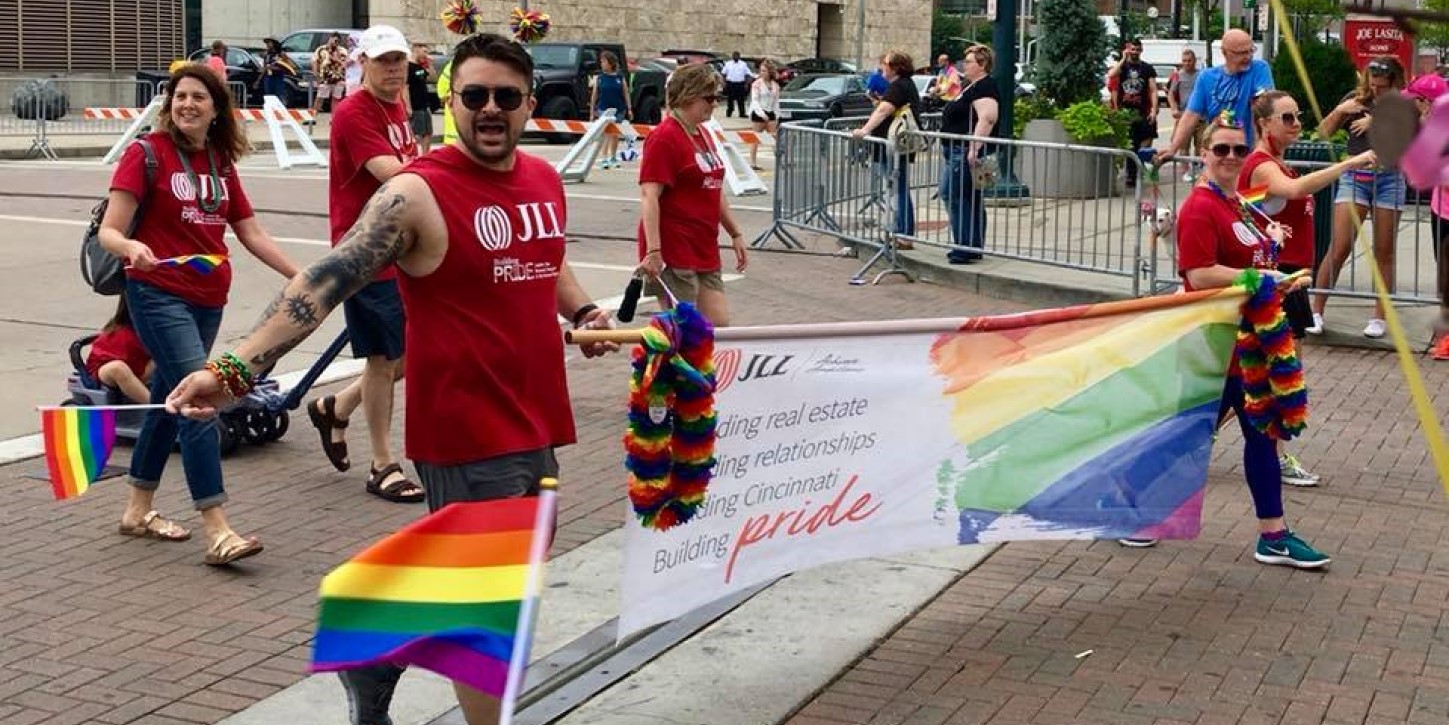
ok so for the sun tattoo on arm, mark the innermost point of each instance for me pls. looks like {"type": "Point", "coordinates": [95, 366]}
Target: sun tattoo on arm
{"type": "Point", "coordinates": [374, 242]}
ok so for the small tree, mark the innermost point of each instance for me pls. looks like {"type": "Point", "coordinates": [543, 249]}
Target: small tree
{"type": "Point", "coordinates": [946, 33]}
{"type": "Point", "coordinates": [1333, 76]}
{"type": "Point", "coordinates": [1435, 35]}
{"type": "Point", "coordinates": [1069, 57]}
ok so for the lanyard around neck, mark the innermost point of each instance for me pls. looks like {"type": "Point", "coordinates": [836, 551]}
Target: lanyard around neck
{"type": "Point", "coordinates": [706, 150]}
{"type": "Point", "coordinates": [216, 196]}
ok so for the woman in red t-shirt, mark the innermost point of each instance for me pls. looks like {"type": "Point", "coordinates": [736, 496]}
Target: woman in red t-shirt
{"type": "Point", "coordinates": [119, 360]}
{"type": "Point", "coordinates": [1217, 238]}
{"type": "Point", "coordinates": [1289, 198]}
{"type": "Point", "coordinates": [176, 309]}
{"type": "Point", "coordinates": [681, 183]}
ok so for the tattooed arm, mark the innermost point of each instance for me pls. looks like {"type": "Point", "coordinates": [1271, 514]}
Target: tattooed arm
{"type": "Point", "coordinates": [383, 234]}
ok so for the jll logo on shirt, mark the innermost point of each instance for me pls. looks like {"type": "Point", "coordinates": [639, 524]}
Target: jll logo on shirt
{"type": "Point", "coordinates": [495, 229]}
{"type": "Point", "coordinates": [183, 190]}
{"type": "Point", "coordinates": [400, 137]}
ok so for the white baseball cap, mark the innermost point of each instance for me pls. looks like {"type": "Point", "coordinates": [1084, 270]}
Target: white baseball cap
{"type": "Point", "coordinates": [379, 40]}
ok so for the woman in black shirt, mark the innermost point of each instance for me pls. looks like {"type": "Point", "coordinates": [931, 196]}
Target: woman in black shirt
{"type": "Point", "coordinates": [896, 67]}
{"type": "Point", "coordinates": [972, 113]}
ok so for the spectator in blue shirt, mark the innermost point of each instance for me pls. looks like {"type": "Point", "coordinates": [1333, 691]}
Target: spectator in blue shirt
{"type": "Point", "coordinates": [876, 85]}
{"type": "Point", "coordinates": [1231, 86]}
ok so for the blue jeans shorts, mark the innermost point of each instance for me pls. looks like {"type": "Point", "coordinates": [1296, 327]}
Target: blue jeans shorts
{"type": "Point", "coordinates": [1377, 189]}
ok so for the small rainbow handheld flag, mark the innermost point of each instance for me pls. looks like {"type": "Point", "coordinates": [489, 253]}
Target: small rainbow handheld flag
{"type": "Point", "coordinates": [203, 263]}
{"type": "Point", "coordinates": [1254, 195]}
{"type": "Point", "coordinates": [78, 442]}
{"type": "Point", "coordinates": [454, 593]}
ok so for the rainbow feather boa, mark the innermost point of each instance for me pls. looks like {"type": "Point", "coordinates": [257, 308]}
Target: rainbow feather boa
{"type": "Point", "coordinates": [1275, 397]}
{"type": "Point", "coordinates": [671, 436]}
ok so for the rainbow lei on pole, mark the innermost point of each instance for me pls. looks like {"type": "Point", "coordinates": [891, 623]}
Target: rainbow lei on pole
{"type": "Point", "coordinates": [528, 26]}
{"type": "Point", "coordinates": [1275, 397]}
{"type": "Point", "coordinates": [671, 436]}
{"type": "Point", "coordinates": [463, 17]}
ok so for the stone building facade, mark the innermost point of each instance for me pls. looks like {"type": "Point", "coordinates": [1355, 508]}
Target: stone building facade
{"type": "Point", "coordinates": [781, 29]}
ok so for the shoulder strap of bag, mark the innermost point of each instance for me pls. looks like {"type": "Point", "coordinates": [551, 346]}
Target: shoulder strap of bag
{"type": "Point", "coordinates": [151, 169]}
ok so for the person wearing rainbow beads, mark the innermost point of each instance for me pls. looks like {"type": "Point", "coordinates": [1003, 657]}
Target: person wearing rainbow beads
{"type": "Point", "coordinates": [1217, 238]}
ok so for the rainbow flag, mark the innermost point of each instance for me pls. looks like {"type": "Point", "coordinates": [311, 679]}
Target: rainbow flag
{"type": "Point", "coordinates": [78, 442]}
{"type": "Point", "coordinates": [454, 593]}
{"type": "Point", "coordinates": [203, 263]}
{"type": "Point", "coordinates": [1254, 195]}
{"type": "Point", "coordinates": [1087, 419]}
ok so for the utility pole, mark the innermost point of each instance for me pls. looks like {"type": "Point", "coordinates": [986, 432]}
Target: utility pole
{"type": "Point", "coordinates": [1008, 189]}
{"type": "Point", "coordinates": [1123, 32]}
{"type": "Point", "coordinates": [860, 35]}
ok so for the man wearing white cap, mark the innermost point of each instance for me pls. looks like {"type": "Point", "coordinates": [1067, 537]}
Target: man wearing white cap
{"type": "Point", "coordinates": [371, 141]}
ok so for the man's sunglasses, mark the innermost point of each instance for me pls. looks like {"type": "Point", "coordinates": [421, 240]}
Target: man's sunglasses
{"type": "Point", "coordinates": [475, 98]}
{"type": "Point", "coordinates": [1292, 118]}
{"type": "Point", "coordinates": [1222, 150]}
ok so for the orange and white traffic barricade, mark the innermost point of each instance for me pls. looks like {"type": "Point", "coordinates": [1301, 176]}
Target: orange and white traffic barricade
{"type": "Point", "coordinates": [273, 112]}
{"type": "Point", "coordinates": [576, 164]}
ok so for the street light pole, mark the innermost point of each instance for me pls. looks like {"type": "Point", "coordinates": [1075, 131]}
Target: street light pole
{"type": "Point", "coordinates": [860, 35]}
{"type": "Point", "coordinates": [1008, 189]}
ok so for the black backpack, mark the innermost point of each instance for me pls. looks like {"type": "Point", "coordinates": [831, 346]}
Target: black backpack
{"type": "Point", "coordinates": [103, 271]}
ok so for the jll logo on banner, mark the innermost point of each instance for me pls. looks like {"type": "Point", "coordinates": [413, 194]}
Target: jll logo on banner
{"type": "Point", "coordinates": [727, 367]}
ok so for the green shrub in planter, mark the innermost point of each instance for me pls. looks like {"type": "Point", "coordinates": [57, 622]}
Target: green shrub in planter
{"type": "Point", "coordinates": [1030, 109]}
{"type": "Point", "coordinates": [1090, 122]}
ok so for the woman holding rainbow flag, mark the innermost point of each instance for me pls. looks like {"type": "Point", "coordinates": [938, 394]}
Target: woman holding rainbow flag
{"type": "Point", "coordinates": [1217, 239]}
{"type": "Point", "coordinates": [177, 279]}
{"type": "Point", "coordinates": [1277, 193]}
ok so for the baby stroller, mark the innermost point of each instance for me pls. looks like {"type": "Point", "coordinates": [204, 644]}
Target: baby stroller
{"type": "Point", "coordinates": [257, 418]}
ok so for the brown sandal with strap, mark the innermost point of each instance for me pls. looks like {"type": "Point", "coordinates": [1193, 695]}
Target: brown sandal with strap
{"type": "Point", "coordinates": [230, 547]}
{"type": "Point", "coordinates": [401, 490]}
{"type": "Point", "coordinates": [323, 412]}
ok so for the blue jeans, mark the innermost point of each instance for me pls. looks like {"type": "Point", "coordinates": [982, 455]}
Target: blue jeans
{"type": "Point", "coordinates": [1260, 457]}
{"type": "Point", "coordinates": [964, 206]}
{"type": "Point", "coordinates": [903, 210]}
{"type": "Point", "coordinates": [179, 336]}
{"type": "Point", "coordinates": [275, 85]}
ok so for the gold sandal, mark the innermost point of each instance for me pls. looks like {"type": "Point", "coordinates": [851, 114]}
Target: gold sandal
{"type": "Point", "coordinates": [230, 547]}
{"type": "Point", "coordinates": [155, 526]}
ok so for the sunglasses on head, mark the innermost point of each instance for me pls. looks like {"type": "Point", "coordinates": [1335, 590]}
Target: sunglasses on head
{"type": "Point", "coordinates": [1291, 118]}
{"type": "Point", "coordinates": [1378, 69]}
{"type": "Point", "coordinates": [475, 98]}
{"type": "Point", "coordinates": [1222, 150]}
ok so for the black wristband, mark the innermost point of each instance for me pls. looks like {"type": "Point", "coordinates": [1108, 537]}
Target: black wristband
{"type": "Point", "coordinates": [586, 309]}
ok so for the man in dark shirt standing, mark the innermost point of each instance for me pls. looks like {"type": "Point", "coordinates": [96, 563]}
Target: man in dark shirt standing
{"type": "Point", "coordinates": [1137, 92]}
{"type": "Point", "coordinates": [420, 108]}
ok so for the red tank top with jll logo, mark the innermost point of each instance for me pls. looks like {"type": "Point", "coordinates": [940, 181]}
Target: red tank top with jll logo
{"type": "Point", "coordinates": [485, 358]}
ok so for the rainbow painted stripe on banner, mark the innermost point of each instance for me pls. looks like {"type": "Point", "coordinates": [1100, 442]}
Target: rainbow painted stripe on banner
{"type": "Point", "coordinates": [450, 593]}
{"type": "Point", "coordinates": [1074, 421]}
{"type": "Point", "coordinates": [78, 442]}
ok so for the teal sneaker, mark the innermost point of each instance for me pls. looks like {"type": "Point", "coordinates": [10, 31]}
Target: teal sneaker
{"type": "Point", "coordinates": [1290, 551]}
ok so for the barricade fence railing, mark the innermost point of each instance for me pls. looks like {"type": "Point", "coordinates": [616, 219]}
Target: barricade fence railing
{"type": "Point", "coordinates": [1079, 212]}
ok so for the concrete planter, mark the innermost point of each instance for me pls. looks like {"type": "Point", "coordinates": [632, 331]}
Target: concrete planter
{"type": "Point", "coordinates": [1059, 174]}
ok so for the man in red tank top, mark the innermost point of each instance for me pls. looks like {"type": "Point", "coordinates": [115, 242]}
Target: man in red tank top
{"type": "Point", "coordinates": [477, 230]}
{"type": "Point", "coordinates": [371, 142]}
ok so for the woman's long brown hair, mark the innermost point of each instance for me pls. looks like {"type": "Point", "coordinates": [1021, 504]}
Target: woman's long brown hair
{"type": "Point", "coordinates": [225, 134]}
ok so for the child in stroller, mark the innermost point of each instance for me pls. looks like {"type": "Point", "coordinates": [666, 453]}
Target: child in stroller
{"type": "Point", "coordinates": [118, 360]}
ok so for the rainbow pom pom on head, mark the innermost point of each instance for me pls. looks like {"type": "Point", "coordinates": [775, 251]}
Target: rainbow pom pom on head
{"type": "Point", "coordinates": [528, 26]}
{"type": "Point", "coordinates": [463, 17]}
{"type": "Point", "coordinates": [671, 436]}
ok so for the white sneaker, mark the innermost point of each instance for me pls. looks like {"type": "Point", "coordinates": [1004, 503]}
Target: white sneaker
{"type": "Point", "coordinates": [1317, 327]}
{"type": "Point", "coordinates": [1374, 329]}
{"type": "Point", "coordinates": [1294, 474]}
{"type": "Point", "coordinates": [1138, 543]}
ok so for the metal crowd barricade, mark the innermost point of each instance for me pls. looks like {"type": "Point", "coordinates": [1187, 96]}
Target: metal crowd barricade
{"type": "Point", "coordinates": [1415, 260]}
{"type": "Point", "coordinates": [83, 93]}
{"type": "Point", "coordinates": [23, 115]}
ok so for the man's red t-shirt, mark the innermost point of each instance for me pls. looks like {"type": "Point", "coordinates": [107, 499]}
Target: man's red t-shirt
{"type": "Point", "coordinates": [174, 224]}
{"type": "Point", "coordinates": [485, 363]}
{"type": "Point", "coordinates": [1210, 231]}
{"type": "Point", "coordinates": [121, 344]}
{"type": "Point", "coordinates": [692, 172]}
{"type": "Point", "coordinates": [1296, 214]}
{"type": "Point", "coordinates": [363, 127]}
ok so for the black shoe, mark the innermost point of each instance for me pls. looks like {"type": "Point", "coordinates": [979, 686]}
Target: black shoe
{"type": "Point", "coordinates": [369, 693]}
{"type": "Point", "coordinates": [955, 258]}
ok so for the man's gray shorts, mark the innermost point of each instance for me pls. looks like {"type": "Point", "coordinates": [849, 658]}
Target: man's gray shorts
{"type": "Point", "coordinates": [507, 476]}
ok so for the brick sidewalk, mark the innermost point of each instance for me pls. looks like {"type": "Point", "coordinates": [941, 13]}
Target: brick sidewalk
{"type": "Point", "coordinates": [99, 628]}
{"type": "Point", "coordinates": [1198, 632]}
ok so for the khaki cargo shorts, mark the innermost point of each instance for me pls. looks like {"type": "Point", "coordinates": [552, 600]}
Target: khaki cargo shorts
{"type": "Point", "coordinates": [684, 283]}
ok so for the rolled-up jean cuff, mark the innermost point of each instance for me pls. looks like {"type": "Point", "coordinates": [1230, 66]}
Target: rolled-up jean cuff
{"type": "Point", "coordinates": [210, 502]}
{"type": "Point", "coordinates": [143, 484]}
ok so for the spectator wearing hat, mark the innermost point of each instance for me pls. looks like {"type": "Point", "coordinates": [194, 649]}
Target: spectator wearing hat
{"type": "Point", "coordinates": [1424, 91]}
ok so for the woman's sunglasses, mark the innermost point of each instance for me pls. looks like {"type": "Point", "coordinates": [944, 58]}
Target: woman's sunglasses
{"type": "Point", "coordinates": [475, 98]}
{"type": "Point", "coordinates": [711, 98]}
{"type": "Point", "coordinates": [1292, 119]}
{"type": "Point", "coordinates": [1222, 150]}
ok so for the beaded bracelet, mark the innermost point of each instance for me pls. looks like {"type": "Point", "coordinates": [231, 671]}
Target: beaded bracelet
{"type": "Point", "coordinates": [233, 374]}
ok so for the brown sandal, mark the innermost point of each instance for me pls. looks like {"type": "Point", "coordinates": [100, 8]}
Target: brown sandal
{"type": "Point", "coordinates": [155, 526]}
{"type": "Point", "coordinates": [399, 491]}
{"type": "Point", "coordinates": [230, 547]}
{"type": "Point", "coordinates": [325, 419]}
